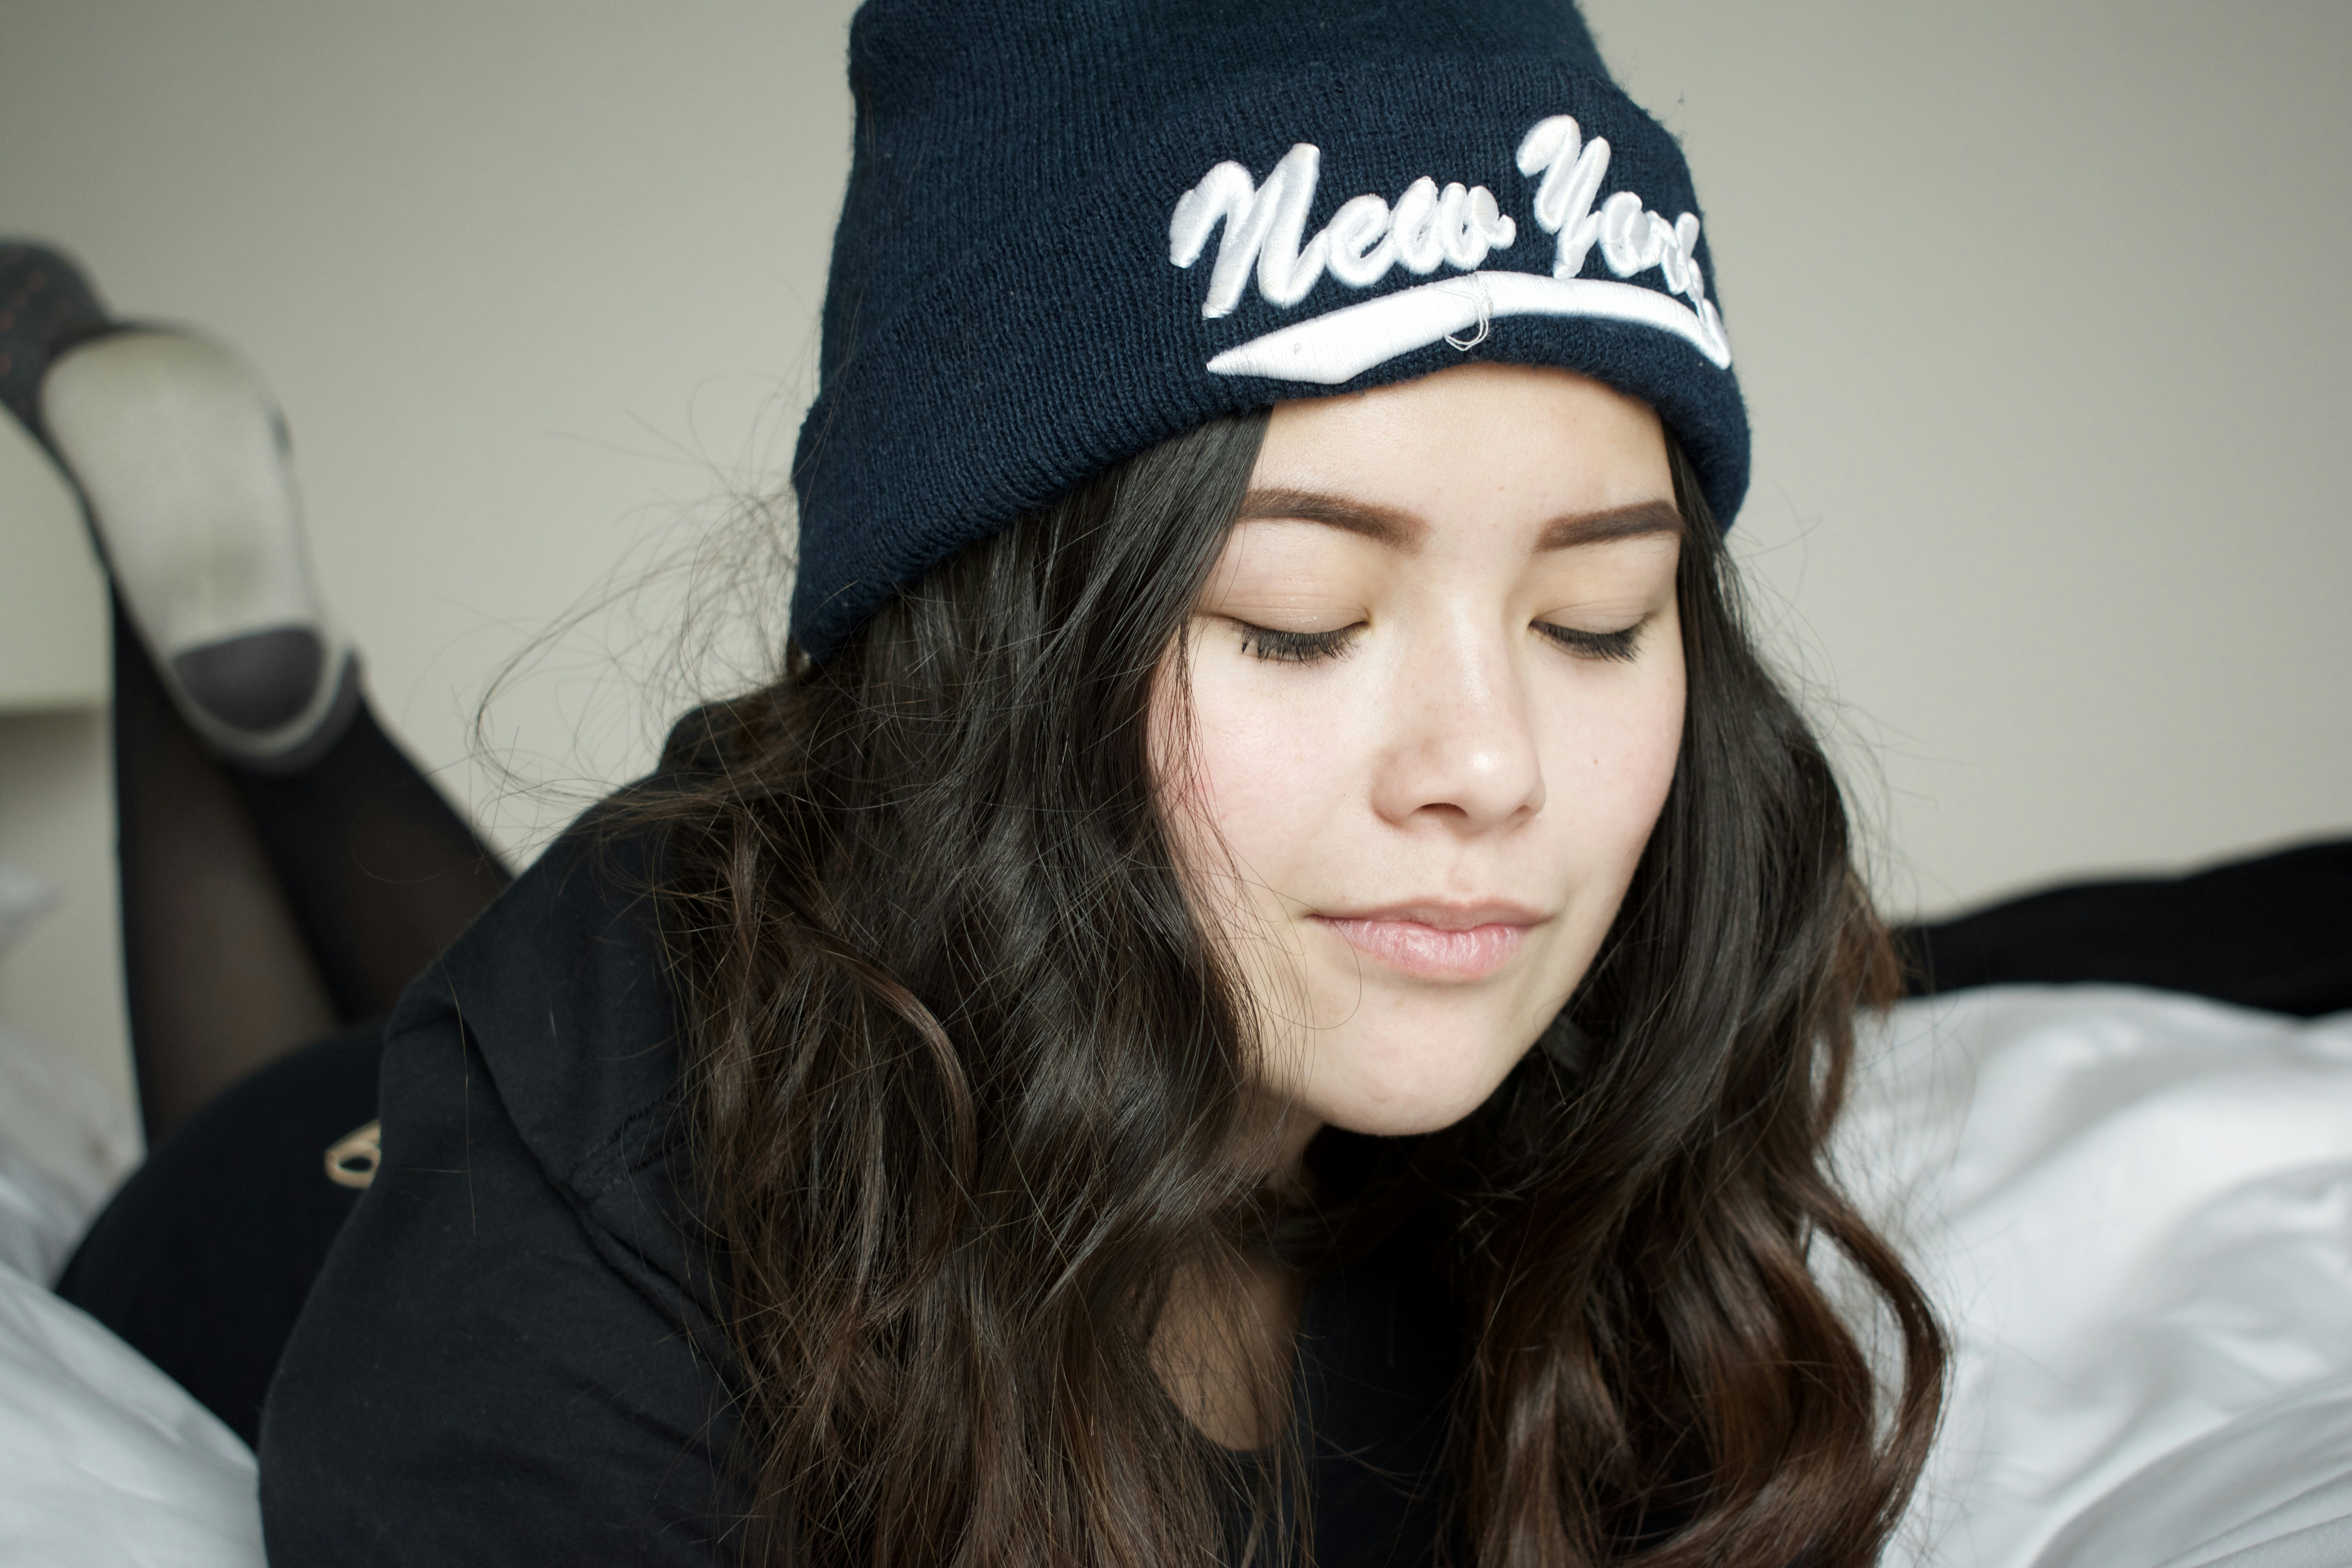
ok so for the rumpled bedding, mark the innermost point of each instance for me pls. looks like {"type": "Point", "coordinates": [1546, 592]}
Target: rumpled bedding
{"type": "Point", "coordinates": [104, 1461]}
{"type": "Point", "coordinates": [2134, 1208]}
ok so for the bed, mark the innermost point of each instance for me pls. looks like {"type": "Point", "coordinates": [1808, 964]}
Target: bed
{"type": "Point", "coordinates": [2132, 1204]}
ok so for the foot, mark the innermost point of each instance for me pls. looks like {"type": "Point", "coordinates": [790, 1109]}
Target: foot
{"type": "Point", "coordinates": [182, 461]}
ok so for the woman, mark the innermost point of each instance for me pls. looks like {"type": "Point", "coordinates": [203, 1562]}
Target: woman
{"type": "Point", "coordinates": [1271, 978]}
{"type": "Point", "coordinates": [1083, 1023]}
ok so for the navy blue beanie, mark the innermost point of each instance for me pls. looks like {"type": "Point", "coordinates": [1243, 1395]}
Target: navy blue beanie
{"type": "Point", "coordinates": [1076, 228]}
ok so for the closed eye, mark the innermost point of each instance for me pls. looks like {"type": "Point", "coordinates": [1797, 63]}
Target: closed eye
{"type": "Point", "coordinates": [1295, 648]}
{"type": "Point", "coordinates": [1620, 647]}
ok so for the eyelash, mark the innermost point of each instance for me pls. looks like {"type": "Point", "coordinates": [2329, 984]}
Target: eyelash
{"type": "Point", "coordinates": [1617, 646]}
{"type": "Point", "coordinates": [1314, 647]}
{"type": "Point", "coordinates": [1294, 647]}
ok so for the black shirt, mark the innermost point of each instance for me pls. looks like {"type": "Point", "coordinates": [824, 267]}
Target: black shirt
{"type": "Point", "coordinates": [512, 1355]}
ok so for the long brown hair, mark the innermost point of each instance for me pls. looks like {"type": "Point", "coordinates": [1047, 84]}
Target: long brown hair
{"type": "Point", "coordinates": [967, 1072]}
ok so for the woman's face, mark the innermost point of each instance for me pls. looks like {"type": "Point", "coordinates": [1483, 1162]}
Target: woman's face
{"type": "Point", "coordinates": [1436, 690]}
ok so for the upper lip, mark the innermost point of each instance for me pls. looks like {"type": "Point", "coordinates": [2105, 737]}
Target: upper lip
{"type": "Point", "coordinates": [1444, 914]}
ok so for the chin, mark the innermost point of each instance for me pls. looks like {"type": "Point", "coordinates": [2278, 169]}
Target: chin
{"type": "Point", "coordinates": [1400, 1104]}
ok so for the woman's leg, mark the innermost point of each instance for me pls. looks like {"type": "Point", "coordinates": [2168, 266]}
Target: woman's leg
{"type": "Point", "coordinates": [217, 975]}
{"type": "Point", "coordinates": [381, 872]}
{"type": "Point", "coordinates": [204, 1259]}
{"type": "Point", "coordinates": [285, 868]}
{"type": "Point", "coordinates": [269, 922]}
{"type": "Point", "coordinates": [262, 910]}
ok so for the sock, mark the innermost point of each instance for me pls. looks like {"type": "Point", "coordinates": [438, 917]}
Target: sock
{"type": "Point", "coordinates": [183, 460]}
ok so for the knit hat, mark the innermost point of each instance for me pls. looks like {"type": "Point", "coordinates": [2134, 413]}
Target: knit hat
{"type": "Point", "coordinates": [1077, 227]}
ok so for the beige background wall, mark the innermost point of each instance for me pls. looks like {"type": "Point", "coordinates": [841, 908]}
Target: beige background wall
{"type": "Point", "coordinates": [2039, 305]}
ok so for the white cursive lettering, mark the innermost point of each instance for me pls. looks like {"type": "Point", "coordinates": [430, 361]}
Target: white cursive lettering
{"type": "Point", "coordinates": [1632, 237]}
{"type": "Point", "coordinates": [1264, 225]}
{"type": "Point", "coordinates": [1572, 169]}
{"type": "Point", "coordinates": [1429, 227]}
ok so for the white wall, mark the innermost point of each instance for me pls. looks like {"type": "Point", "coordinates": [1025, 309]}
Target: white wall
{"type": "Point", "coordinates": [2038, 306]}
{"type": "Point", "coordinates": [2039, 311]}
{"type": "Point", "coordinates": [56, 814]}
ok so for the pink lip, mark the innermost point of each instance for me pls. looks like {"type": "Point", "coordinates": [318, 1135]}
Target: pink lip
{"type": "Point", "coordinates": [1438, 940]}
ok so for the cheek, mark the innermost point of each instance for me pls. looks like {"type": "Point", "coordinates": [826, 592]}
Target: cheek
{"type": "Point", "coordinates": [1620, 769]}
{"type": "Point", "coordinates": [1257, 773]}
{"type": "Point", "coordinates": [1615, 769]}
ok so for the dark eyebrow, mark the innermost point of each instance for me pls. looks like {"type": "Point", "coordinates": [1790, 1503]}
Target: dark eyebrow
{"type": "Point", "coordinates": [1397, 529]}
{"type": "Point", "coordinates": [1620, 523]}
{"type": "Point", "coordinates": [1400, 530]}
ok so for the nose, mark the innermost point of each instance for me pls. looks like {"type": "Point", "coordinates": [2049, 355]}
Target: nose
{"type": "Point", "coordinates": [1460, 749]}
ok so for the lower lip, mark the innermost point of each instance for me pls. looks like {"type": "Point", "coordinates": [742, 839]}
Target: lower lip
{"type": "Point", "coordinates": [1430, 953]}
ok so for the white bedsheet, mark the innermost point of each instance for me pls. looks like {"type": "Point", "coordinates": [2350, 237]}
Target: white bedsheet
{"type": "Point", "coordinates": [2135, 1212]}
{"type": "Point", "coordinates": [2135, 1209]}
{"type": "Point", "coordinates": [104, 1461]}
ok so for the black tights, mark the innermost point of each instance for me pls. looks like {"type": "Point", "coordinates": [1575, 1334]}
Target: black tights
{"type": "Point", "coordinates": [268, 924]}
{"type": "Point", "coordinates": [260, 912]}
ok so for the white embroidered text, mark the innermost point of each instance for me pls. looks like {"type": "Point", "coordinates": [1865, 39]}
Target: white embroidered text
{"type": "Point", "coordinates": [1266, 235]}
{"type": "Point", "coordinates": [1632, 238]}
{"type": "Point", "coordinates": [1265, 228]}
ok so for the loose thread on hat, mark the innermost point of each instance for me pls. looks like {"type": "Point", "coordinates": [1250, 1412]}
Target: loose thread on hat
{"type": "Point", "coordinates": [1486, 318]}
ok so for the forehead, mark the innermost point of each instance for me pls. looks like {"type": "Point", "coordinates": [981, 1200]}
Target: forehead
{"type": "Point", "coordinates": [1478, 436]}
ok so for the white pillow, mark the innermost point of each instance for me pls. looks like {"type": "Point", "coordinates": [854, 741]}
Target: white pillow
{"type": "Point", "coordinates": [66, 1138]}
{"type": "Point", "coordinates": [104, 1461]}
{"type": "Point", "coordinates": [2135, 1210]}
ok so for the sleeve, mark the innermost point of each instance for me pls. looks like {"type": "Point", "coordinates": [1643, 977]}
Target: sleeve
{"type": "Point", "coordinates": [491, 1369]}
